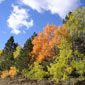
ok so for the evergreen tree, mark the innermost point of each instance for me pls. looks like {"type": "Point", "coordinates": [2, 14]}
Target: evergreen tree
{"type": "Point", "coordinates": [8, 60]}
{"type": "Point", "coordinates": [67, 17]}
{"type": "Point", "coordinates": [25, 55]}
{"type": "Point", "coordinates": [10, 47]}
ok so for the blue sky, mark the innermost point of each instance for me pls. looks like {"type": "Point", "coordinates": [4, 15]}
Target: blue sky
{"type": "Point", "coordinates": [21, 18]}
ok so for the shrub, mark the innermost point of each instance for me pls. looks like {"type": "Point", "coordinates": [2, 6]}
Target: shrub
{"type": "Point", "coordinates": [35, 72]}
{"type": "Point", "coordinates": [4, 74]}
{"type": "Point", "coordinates": [12, 72]}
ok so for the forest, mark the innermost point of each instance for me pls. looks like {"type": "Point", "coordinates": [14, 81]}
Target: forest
{"type": "Point", "coordinates": [57, 53]}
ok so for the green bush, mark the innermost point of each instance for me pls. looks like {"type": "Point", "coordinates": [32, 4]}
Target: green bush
{"type": "Point", "coordinates": [35, 72]}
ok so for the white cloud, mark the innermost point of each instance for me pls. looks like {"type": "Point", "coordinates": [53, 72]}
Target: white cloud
{"type": "Point", "coordinates": [18, 19]}
{"type": "Point", "coordinates": [61, 7]}
{"type": "Point", "coordinates": [1, 1]}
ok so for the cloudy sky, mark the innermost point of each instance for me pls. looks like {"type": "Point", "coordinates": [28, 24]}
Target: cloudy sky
{"type": "Point", "coordinates": [21, 18]}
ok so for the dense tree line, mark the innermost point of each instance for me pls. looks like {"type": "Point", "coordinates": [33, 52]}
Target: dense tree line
{"type": "Point", "coordinates": [57, 53]}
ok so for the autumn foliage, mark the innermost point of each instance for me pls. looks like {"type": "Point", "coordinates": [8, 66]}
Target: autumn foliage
{"type": "Point", "coordinates": [11, 72]}
{"type": "Point", "coordinates": [4, 74]}
{"type": "Point", "coordinates": [44, 42]}
{"type": "Point", "coordinates": [56, 54]}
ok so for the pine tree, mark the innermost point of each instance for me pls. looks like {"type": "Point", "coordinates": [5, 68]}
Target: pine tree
{"type": "Point", "coordinates": [8, 60]}
{"type": "Point", "coordinates": [25, 55]}
{"type": "Point", "coordinates": [10, 47]}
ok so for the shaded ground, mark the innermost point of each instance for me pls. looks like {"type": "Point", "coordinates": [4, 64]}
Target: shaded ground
{"type": "Point", "coordinates": [35, 82]}
{"type": "Point", "coordinates": [24, 82]}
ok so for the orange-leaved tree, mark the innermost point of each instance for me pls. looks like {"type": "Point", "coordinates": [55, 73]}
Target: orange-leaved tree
{"type": "Point", "coordinates": [45, 41]}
